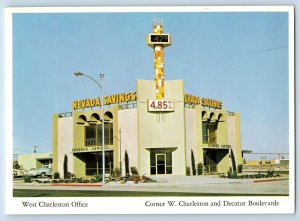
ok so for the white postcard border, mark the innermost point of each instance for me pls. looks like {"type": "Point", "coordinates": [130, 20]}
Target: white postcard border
{"type": "Point", "coordinates": [137, 205]}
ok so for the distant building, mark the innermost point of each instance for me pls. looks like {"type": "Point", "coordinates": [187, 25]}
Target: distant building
{"type": "Point", "coordinates": [35, 160]}
{"type": "Point", "coordinates": [260, 162]}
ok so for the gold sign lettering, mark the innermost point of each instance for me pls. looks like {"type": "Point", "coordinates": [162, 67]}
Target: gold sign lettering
{"type": "Point", "coordinates": [206, 102]}
{"type": "Point", "coordinates": [112, 99]}
{"type": "Point", "coordinates": [91, 149]}
{"type": "Point", "coordinates": [190, 99]}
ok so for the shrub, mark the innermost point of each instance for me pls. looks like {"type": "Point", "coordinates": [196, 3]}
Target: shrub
{"type": "Point", "coordinates": [126, 163]}
{"type": "Point", "coordinates": [232, 174]}
{"type": "Point", "coordinates": [98, 178]}
{"type": "Point", "coordinates": [188, 171]}
{"type": "Point", "coordinates": [78, 180]}
{"type": "Point", "coordinates": [116, 172]}
{"type": "Point", "coordinates": [257, 175]}
{"type": "Point", "coordinates": [56, 175]}
{"type": "Point", "coordinates": [271, 173]}
{"type": "Point", "coordinates": [146, 179]}
{"type": "Point", "coordinates": [200, 168]}
{"type": "Point", "coordinates": [65, 166]}
{"type": "Point", "coordinates": [134, 171]}
{"type": "Point", "coordinates": [193, 163]}
{"type": "Point", "coordinates": [27, 179]}
{"type": "Point", "coordinates": [136, 179]}
{"type": "Point", "coordinates": [240, 168]}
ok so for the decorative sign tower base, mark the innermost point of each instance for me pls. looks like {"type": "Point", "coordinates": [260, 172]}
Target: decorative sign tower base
{"type": "Point", "coordinates": [157, 40]}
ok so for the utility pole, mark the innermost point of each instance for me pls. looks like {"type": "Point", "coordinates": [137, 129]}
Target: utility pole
{"type": "Point", "coordinates": [34, 148]}
{"type": "Point", "coordinates": [120, 151]}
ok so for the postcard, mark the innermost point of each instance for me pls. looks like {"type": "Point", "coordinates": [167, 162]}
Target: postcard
{"type": "Point", "coordinates": [150, 110]}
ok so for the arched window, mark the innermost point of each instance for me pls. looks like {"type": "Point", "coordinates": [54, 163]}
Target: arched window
{"type": "Point", "coordinates": [93, 132]}
{"type": "Point", "coordinates": [94, 118]}
{"type": "Point", "coordinates": [204, 116]}
{"type": "Point", "coordinates": [108, 116]}
{"type": "Point", "coordinates": [221, 118]}
{"type": "Point", "coordinates": [81, 119]}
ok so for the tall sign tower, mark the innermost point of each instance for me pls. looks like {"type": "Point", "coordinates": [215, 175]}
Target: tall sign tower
{"type": "Point", "coordinates": [158, 41]}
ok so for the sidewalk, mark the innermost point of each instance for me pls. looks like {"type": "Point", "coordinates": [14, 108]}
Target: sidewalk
{"type": "Point", "coordinates": [192, 184]}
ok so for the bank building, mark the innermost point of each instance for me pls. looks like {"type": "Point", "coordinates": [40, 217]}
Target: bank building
{"type": "Point", "coordinates": [157, 128]}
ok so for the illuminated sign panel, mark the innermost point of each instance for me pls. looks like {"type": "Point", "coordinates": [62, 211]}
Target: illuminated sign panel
{"type": "Point", "coordinates": [160, 105]}
{"type": "Point", "coordinates": [155, 38]}
{"type": "Point", "coordinates": [158, 39]}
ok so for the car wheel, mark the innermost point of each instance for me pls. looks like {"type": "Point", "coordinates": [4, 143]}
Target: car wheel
{"type": "Point", "coordinates": [43, 175]}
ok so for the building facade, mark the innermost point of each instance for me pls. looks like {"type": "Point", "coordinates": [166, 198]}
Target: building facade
{"type": "Point", "coordinates": [159, 129]}
{"type": "Point", "coordinates": [35, 160]}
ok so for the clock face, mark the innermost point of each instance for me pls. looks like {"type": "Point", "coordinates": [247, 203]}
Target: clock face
{"type": "Point", "coordinates": [159, 38]}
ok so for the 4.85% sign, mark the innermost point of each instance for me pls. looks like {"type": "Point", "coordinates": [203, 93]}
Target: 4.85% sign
{"type": "Point", "coordinates": [160, 105]}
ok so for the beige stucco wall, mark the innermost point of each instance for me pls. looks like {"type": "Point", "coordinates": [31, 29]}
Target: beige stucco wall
{"type": "Point", "coordinates": [191, 137]}
{"type": "Point", "coordinates": [127, 122]}
{"type": "Point", "coordinates": [161, 130]}
{"type": "Point", "coordinates": [65, 143]}
{"type": "Point", "coordinates": [234, 137]}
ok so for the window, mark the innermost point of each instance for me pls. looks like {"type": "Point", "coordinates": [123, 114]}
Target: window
{"type": "Point", "coordinates": [90, 136]}
{"type": "Point", "coordinates": [94, 163]}
{"type": "Point", "coordinates": [93, 135]}
{"type": "Point", "coordinates": [205, 132]}
{"type": "Point", "coordinates": [209, 135]}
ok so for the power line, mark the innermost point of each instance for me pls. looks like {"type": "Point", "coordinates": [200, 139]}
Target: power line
{"type": "Point", "coordinates": [236, 54]}
{"type": "Point", "coordinates": [211, 58]}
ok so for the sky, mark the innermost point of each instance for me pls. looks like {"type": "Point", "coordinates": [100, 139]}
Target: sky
{"type": "Point", "coordinates": [238, 58]}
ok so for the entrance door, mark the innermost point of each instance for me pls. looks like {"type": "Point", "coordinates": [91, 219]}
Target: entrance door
{"type": "Point", "coordinates": [161, 163]}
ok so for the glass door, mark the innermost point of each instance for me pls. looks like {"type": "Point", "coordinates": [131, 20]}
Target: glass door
{"type": "Point", "coordinates": [160, 163]}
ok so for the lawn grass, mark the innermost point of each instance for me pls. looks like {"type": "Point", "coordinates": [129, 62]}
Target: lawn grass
{"type": "Point", "coordinates": [89, 193]}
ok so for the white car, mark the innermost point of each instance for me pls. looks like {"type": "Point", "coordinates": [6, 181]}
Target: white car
{"type": "Point", "coordinates": [19, 172]}
{"type": "Point", "coordinates": [32, 172]}
{"type": "Point", "coordinates": [43, 172]}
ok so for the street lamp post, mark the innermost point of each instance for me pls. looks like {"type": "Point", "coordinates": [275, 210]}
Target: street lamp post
{"type": "Point", "coordinates": [77, 74]}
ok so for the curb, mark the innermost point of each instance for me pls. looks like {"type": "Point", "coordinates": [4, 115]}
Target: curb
{"type": "Point", "coordinates": [270, 180]}
{"type": "Point", "coordinates": [78, 184]}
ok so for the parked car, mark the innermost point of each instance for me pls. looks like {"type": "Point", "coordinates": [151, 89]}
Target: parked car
{"type": "Point", "coordinates": [19, 172]}
{"type": "Point", "coordinates": [43, 172]}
